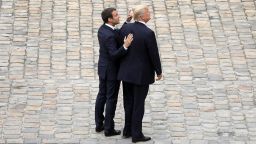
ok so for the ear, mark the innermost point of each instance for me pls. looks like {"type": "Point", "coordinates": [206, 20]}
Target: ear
{"type": "Point", "coordinates": [141, 17]}
{"type": "Point", "coordinates": [109, 19]}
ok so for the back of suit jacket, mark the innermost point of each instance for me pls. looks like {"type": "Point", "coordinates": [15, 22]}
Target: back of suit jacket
{"type": "Point", "coordinates": [110, 53]}
{"type": "Point", "coordinates": [142, 60]}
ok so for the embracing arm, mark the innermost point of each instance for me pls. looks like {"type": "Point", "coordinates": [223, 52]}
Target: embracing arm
{"type": "Point", "coordinates": [112, 48]}
{"type": "Point", "coordinates": [114, 51]}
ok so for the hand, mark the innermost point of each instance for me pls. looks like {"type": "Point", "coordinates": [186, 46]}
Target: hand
{"type": "Point", "coordinates": [128, 40]}
{"type": "Point", "coordinates": [159, 77]}
{"type": "Point", "coordinates": [130, 15]}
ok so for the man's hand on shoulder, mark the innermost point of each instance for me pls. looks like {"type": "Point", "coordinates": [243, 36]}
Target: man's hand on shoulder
{"type": "Point", "coordinates": [128, 40]}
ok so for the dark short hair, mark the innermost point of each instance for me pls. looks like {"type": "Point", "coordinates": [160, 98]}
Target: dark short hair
{"type": "Point", "coordinates": [107, 13]}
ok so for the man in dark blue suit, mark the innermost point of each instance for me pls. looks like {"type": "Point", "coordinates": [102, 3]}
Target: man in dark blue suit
{"type": "Point", "coordinates": [110, 52]}
{"type": "Point", "coordinates": [137, 70]}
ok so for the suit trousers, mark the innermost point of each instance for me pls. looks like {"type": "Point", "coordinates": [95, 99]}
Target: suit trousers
{"type": "Point", "coordinates": [134, 100]}
{"type": "Point", "coordinates": [107, 95]}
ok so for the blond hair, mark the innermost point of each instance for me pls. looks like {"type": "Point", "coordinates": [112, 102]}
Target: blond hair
{"type": "Point", "coordinates": [138, 11]}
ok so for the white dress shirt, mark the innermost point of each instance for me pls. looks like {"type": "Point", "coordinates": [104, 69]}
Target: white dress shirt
{"type": "Point", "coordinates": [142, 22]}
{"type": "Point", "coordinates": [112, 27]}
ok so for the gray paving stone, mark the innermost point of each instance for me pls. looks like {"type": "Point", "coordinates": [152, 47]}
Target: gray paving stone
{"type": "Point", "coordinates": [32, 141]}
{"type": "Point", "coordinates": [48, 71]}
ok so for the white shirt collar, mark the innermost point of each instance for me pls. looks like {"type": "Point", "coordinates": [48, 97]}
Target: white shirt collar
{"type": "Point", "coordinates": [142, 22]}
{"type": "Point", "coordinates": [110, 26]}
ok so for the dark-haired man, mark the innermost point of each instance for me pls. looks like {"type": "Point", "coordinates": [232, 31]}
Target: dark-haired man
{"type": "Point", "coordinates": [111, 50]}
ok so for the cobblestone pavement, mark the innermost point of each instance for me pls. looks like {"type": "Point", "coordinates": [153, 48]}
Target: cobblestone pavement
{"type": "Point", "coordinates": [48, 71]}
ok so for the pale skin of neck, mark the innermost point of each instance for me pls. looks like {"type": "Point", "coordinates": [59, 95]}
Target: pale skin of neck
{"type": "Point", "coordinates": [141, 19]}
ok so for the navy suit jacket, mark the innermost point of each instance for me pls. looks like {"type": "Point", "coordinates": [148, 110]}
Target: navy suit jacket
{"type": "Point", "coordinates": [110, 53]}
{"type": "Point", "coordinates": [142, 61]}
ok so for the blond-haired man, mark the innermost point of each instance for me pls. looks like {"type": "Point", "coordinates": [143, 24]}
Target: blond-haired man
{"type": "Point", "coordinates": [137, 70]}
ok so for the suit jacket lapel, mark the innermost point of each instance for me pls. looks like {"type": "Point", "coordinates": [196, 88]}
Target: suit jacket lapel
{"type": "Point", "coordinates": [116, 34]}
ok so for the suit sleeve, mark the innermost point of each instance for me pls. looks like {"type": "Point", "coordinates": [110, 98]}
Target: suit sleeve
{"type": "Point", "coordinates": [153, 53]}
{"type": "Point", "coordinates": [113, 50]}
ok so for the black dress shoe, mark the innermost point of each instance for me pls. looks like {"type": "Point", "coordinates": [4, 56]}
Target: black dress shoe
{"type": "Point", "coordinates": [142, 139]}
{"type": "Point", "coordinates": [112, 133]}
{"type": "Point", "coordinates": [99, 129]}
{"type": "Point", "coordinates": [126, 135]}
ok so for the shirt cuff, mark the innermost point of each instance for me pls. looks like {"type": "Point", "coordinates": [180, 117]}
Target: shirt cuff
{"type": "Point", "coordinates": [125, 48]}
